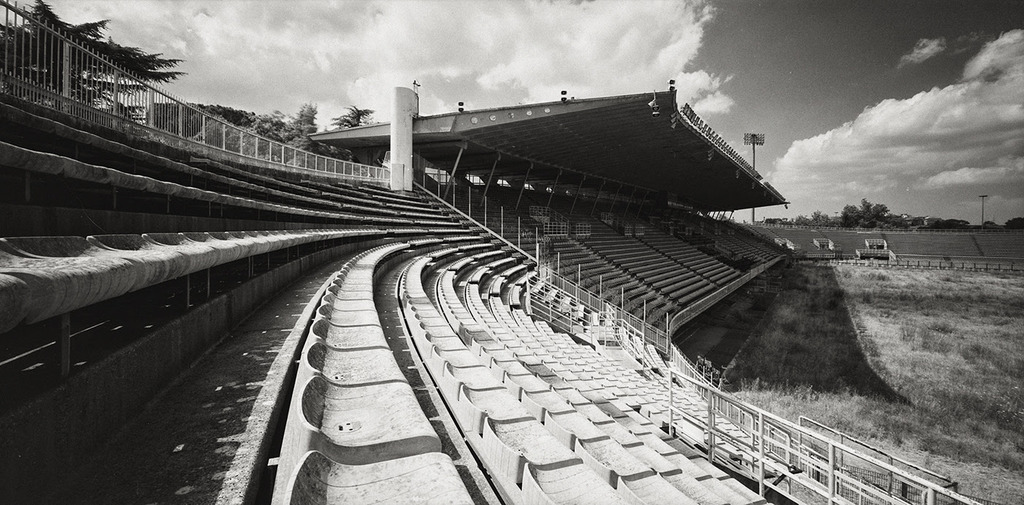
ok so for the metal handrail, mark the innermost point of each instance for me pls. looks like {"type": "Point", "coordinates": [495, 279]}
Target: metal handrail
{"type": "Point", "coordinates": [771, 446]}
{"type": "Point", "coordinates": [44, 66]}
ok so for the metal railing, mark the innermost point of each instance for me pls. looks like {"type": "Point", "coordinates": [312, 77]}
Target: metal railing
{"type": "Point", "coordinates": [919, 230]}
{"type": "Point", "coordinates": [607, 327]}
{"type": "Point", "coordinates": [790, 459]}
{"type": "Point", "coordinates": [631, 323]}
{"type": "Point", "coordinates": [46, 67]}
{"type": "Point", "coordinates": [937, 264]}
{"type": "Point", "coordinates": [776, 453]}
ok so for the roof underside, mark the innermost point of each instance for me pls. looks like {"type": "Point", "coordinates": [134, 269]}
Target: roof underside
{"type": "Point", "coordinates": [587, 144]}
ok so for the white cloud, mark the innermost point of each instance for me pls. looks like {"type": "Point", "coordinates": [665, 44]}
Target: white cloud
{"type": "Point", "coordinates": [279, 54]}
{"type": "Point", "coordinates": [1008, 170]}
{"type": "Point", "coordinates": [924, 49]}
{"type": "Point", "coordinates": [967, 134]}
{"type": "Point", "coordinates": [701, 90]}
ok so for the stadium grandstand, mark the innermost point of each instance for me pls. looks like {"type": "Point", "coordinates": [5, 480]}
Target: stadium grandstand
{"type": "Point", "coordinates": [995, 249]}
{"type": "Point", "coordinates": [480, 313]}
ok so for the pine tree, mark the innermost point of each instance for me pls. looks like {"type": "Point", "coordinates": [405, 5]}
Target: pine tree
{"type": "Point", "coordinates": [147, 67]}
{"type": "Point", "coordinates": [354, 117]}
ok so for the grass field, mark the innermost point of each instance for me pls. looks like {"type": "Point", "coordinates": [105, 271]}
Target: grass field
{"type": "Point", "coordinates": [931, 367]}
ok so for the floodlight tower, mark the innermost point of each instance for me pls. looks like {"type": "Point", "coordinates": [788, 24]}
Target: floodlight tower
{"type": "Point", "coordinates": [983, 197]}
{"type": "Point", "coordinates": [753, 140]}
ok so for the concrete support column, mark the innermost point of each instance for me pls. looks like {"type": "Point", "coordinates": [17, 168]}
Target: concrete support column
{"type": "Point", "coordinates": [405, 106]}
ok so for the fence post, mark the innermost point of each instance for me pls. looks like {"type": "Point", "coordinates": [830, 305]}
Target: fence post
{"type": "Point", "coordinates": [66, 75]}
{"type": "Point", "coordinates": [711, 428]}
{"type": "Point", "coordinates": [760, 453]}
{"type": "Point", "coordinates": [519, 233]}
{"type": "Point", "coordinates": [671, 404]}
{"type": "Point", "coordinates": [150, 106]}
{"type": "Point", "coordinates": [832, 473]}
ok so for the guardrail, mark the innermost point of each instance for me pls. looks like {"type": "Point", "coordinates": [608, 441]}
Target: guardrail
{"type": "Point", "coordinates": [793, 460]}
{"type": "Point", "coordinates": [595, 303]}
{"type": "Point", "coordinates": [939, 264]}
{"type": "Point", "coordinates": [46, 67]}
{"type": "Point", "coordinates": [888, 230]}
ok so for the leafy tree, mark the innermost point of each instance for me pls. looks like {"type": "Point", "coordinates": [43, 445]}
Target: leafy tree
{"type": "Point", "coordinates": [819, 218]}
{"type": "Point", "coordinates": [237, 117]}
{"type": "Point", "coordinates": [867, 215]}
{"type": "Point", "coordinates": [949, 224]}
{"type": "Point", "coordinates": [148, 67]}
{"type": "Point", "coordinates": [31, 53]}
{"type": "Point", "coordinates": [850, 217]}
{"type": "Point", "coordinates": [354, 117]}
{"type": "Point", "coordinates": [1016, 223]}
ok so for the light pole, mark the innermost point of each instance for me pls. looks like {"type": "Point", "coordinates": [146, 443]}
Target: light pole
{"type": "Point", "coordinates": [983, 197]}
{"type": "Point", "coordinates": [753, 140]}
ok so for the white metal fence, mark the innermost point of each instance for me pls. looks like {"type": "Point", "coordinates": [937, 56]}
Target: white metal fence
{"type": "Point", "coordinates": [46, 67]}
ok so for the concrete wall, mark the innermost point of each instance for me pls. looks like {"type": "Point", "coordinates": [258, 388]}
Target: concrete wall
{"type": "Point", "coordinates": [44, 439]}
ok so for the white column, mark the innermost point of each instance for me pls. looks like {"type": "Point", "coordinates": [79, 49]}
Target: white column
{"type": "Point", "coordinates": [405, 106]}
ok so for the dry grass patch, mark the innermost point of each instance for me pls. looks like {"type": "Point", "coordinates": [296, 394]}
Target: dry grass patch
{"type": "Point", "coordinates": [951, 344]}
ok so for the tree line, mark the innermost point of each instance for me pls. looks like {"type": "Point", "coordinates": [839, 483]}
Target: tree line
{"type": "Point", "coordinates": [877, 215]}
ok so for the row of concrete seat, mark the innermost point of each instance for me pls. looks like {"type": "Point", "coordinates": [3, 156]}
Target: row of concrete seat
{"type": "Point", "coordinates": [526, 462]}
{"type": "Point", "coordinates": [205, 173]}
{"type": "Point", "coordinates": [525, 372]}
{"type": "Point", "coordinates": [566, 365]}
{"type": "Point", "coordinates": [355, 432]}
{"type": "Point", "coordinates": [41, 277]}
{"type": "Point", "coordinates": [50, 164]}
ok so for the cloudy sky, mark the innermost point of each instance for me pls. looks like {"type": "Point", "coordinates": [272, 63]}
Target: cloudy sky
{"type": "Point", "coordinates": [915, 104]}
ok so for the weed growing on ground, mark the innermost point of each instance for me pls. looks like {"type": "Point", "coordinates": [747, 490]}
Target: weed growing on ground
{"type": "Point", "coordinates": [931, 366]}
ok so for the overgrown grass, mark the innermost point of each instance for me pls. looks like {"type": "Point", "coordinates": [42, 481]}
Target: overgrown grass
{"type": "Point", "coordinates": [948, 345]}
{"type": "Point", "coordinates": [809, 340]}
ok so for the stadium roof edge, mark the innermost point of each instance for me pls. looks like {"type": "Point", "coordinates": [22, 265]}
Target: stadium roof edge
{"type": "Point", "coordinates": [612, 138]}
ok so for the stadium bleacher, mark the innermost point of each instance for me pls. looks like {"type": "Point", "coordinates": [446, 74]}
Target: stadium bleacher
{"type": "Point", "coordinates": [921, 247]}
{"type": "Point", "coordinates": [114, 227]}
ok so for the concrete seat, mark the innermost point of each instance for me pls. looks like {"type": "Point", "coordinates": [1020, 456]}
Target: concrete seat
{"type": "Point", "coordinates": [157, 264]}
{"type": "Point", "coordinates": [373, 423]}
{"type": "Point", "coordinates": [347, 338]}
{"type": "Point", "coordinates": [362, 367]}
{"type": "Point", "coordinates": [569, 484]}
{"type": "Point", "coordinates": [61, 281]}
{"type": "Point", "coordinates": [421, 479]}
{"type": "Point", "coordinates": [200, 256]}
{"type": "Point", "coordinates": [218, 240]}
{"type": "Point", "coordinates": [13, 294]}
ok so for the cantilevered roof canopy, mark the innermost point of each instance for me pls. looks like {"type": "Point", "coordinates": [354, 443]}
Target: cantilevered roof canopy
{"type": "Point", "coordinates": [591, 142]}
